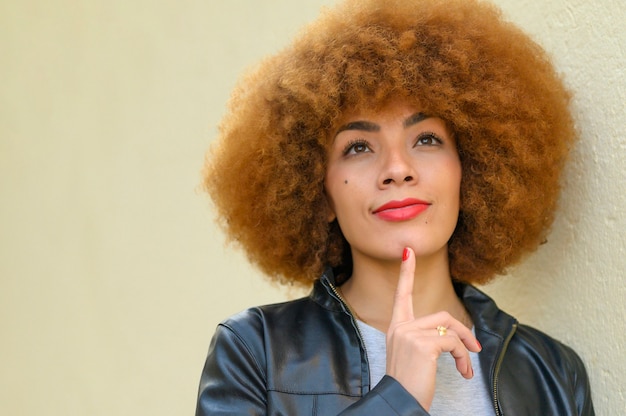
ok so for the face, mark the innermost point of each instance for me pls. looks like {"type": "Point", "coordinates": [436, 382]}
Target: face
{"type": "Point", "coordinates": [393, 181]}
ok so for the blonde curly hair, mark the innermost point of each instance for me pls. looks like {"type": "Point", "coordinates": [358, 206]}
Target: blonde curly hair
{"type": "Point", "coordinates": [456, 59]}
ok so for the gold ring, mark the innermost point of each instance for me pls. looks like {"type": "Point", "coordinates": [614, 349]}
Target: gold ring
{"type": "Point", "coordinates": [442, 330]}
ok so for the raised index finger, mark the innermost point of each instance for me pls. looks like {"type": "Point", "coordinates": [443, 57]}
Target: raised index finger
{"type": "Point", "coordinates": [403, 300]}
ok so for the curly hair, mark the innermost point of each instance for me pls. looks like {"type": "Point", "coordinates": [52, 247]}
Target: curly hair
{"type": "Point", "coordinates": [456, 59]}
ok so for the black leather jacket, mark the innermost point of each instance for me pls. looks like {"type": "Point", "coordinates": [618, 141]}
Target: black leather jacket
{"type": "Point", "coordinates": [306, 357]}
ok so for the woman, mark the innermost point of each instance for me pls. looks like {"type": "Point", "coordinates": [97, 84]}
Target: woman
{"type": "Point", "coordinates": [396, 153]}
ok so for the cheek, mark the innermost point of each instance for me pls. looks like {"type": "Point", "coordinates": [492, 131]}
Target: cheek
{"type": "Point", "coordinates": [453, 177]}
{"type": "Point", "coordinates": [335, 187]}
{"type": "Point", "coordinates": [342, 196]}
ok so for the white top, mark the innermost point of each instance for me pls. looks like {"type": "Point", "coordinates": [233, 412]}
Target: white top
{"type": "Point", "coordinates": [454, 395]}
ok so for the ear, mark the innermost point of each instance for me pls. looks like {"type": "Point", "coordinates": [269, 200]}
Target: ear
{"type": "Point", "coordinates": [331, 216]}
{"type": "Point", "coordinates": [330, 212]}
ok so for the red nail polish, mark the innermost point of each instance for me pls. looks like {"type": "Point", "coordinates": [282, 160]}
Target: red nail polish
{"type": "Point", "coordinates": [479, 346]}
{"type": "Point", "coordinates": [405, 254]}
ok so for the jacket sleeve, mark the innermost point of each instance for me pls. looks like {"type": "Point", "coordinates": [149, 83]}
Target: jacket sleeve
{"type": "Point", "coordinates": [387, 398]}
{"type": "Point", "coordinates": [233, 381]}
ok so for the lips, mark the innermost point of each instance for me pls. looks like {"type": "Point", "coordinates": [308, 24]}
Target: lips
{"type": "Point", "coordinates": [404, 210]}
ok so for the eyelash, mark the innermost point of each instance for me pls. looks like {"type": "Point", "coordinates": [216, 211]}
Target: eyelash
{"type": "Point", "coordinates": [353, 143]}
{"type": "Point", "coordinates": [426, 135]}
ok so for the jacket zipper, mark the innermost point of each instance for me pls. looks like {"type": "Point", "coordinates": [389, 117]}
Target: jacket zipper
{"type": "Point", "coordinates": [496, 372]}
{"type": "Point", "coordinates": [352, 315]}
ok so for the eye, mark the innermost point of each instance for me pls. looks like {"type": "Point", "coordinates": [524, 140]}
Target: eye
{"type": "Point", "coordinates": [356, 146]}
{"type": "Point", "coordinates": [428, 139]}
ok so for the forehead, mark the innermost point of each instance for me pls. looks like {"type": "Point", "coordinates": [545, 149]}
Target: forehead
{"type": "Point", "coordinates": [393, 112]}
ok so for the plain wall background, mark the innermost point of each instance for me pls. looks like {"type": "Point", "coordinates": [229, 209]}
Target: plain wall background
{"type": "Point", "coordinates": [112, 275]}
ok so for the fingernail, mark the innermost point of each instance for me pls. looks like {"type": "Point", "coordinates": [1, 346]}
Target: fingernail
{"type": "Point", "coordinates": [472, 370]}
{"type": "Point", "coordinates": [405, 254]}
{"type": "Point", "coordinates": [480, 347]}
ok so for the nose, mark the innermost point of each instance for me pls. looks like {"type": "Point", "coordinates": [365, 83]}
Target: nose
{"type": "Point", "coordinates": [397, 168]}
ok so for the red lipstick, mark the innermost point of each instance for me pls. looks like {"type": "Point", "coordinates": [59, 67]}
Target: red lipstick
{"type": "Point", "coordinates": [404, 210]}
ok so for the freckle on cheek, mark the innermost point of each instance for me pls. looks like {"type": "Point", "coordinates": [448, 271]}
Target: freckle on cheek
{"type": "Point", "coordinates": [346, 181]}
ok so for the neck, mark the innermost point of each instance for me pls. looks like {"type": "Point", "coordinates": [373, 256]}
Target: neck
{"type": "Point", "coordinates": [370, 290]}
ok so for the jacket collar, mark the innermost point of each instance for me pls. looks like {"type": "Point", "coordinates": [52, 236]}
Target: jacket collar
{"type": "Point", "coordinates": [485, 313]}
{"type": "Point", "coordinates": [323, 292]}
{"type": "Point", "coordinates": [491, 325]}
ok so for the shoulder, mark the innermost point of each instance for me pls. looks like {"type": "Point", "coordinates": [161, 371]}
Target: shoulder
{"type": "Point", "coordinates": [259, 318]}
{"type": "Point", "coordinates": [525, 341]}
{"type": "Point", "coordinates": [267, 327]}
{"type": "Point", "coordinates": [283, 341]}
{"type": "Point", "coordinates": [318, 310]}
{"type": "Point", "coordinates": [537, 365]}
{"type": "Point", "coordinates": [255, 322]}
{"type": "Point", "coordinates": [541, 347]}
{"type": "Point", "coordinates": [249, 334]}
{"type": "Point", "coordinates": [528, 349]}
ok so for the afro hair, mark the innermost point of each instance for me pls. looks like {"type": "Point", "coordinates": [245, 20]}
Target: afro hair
{"type": "Point", "coordinates": [456, 59]}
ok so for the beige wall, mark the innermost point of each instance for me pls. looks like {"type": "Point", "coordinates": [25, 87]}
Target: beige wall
{"type": "Point", "coordinates": [574, 287]}
{"type": "Point", "coordinates": [112, 276]}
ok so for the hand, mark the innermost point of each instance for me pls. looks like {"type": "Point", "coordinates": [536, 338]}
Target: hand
{"type": "Point", "coordinates": [414, 345]}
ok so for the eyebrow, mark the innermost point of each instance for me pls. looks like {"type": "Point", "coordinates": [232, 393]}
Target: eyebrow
{"type": "Point", "coordinates": [414, 119]}
{"type": "Point", "coordinates": [359, 125]}
{"type": "Point", "coordinates": [368, 126]}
